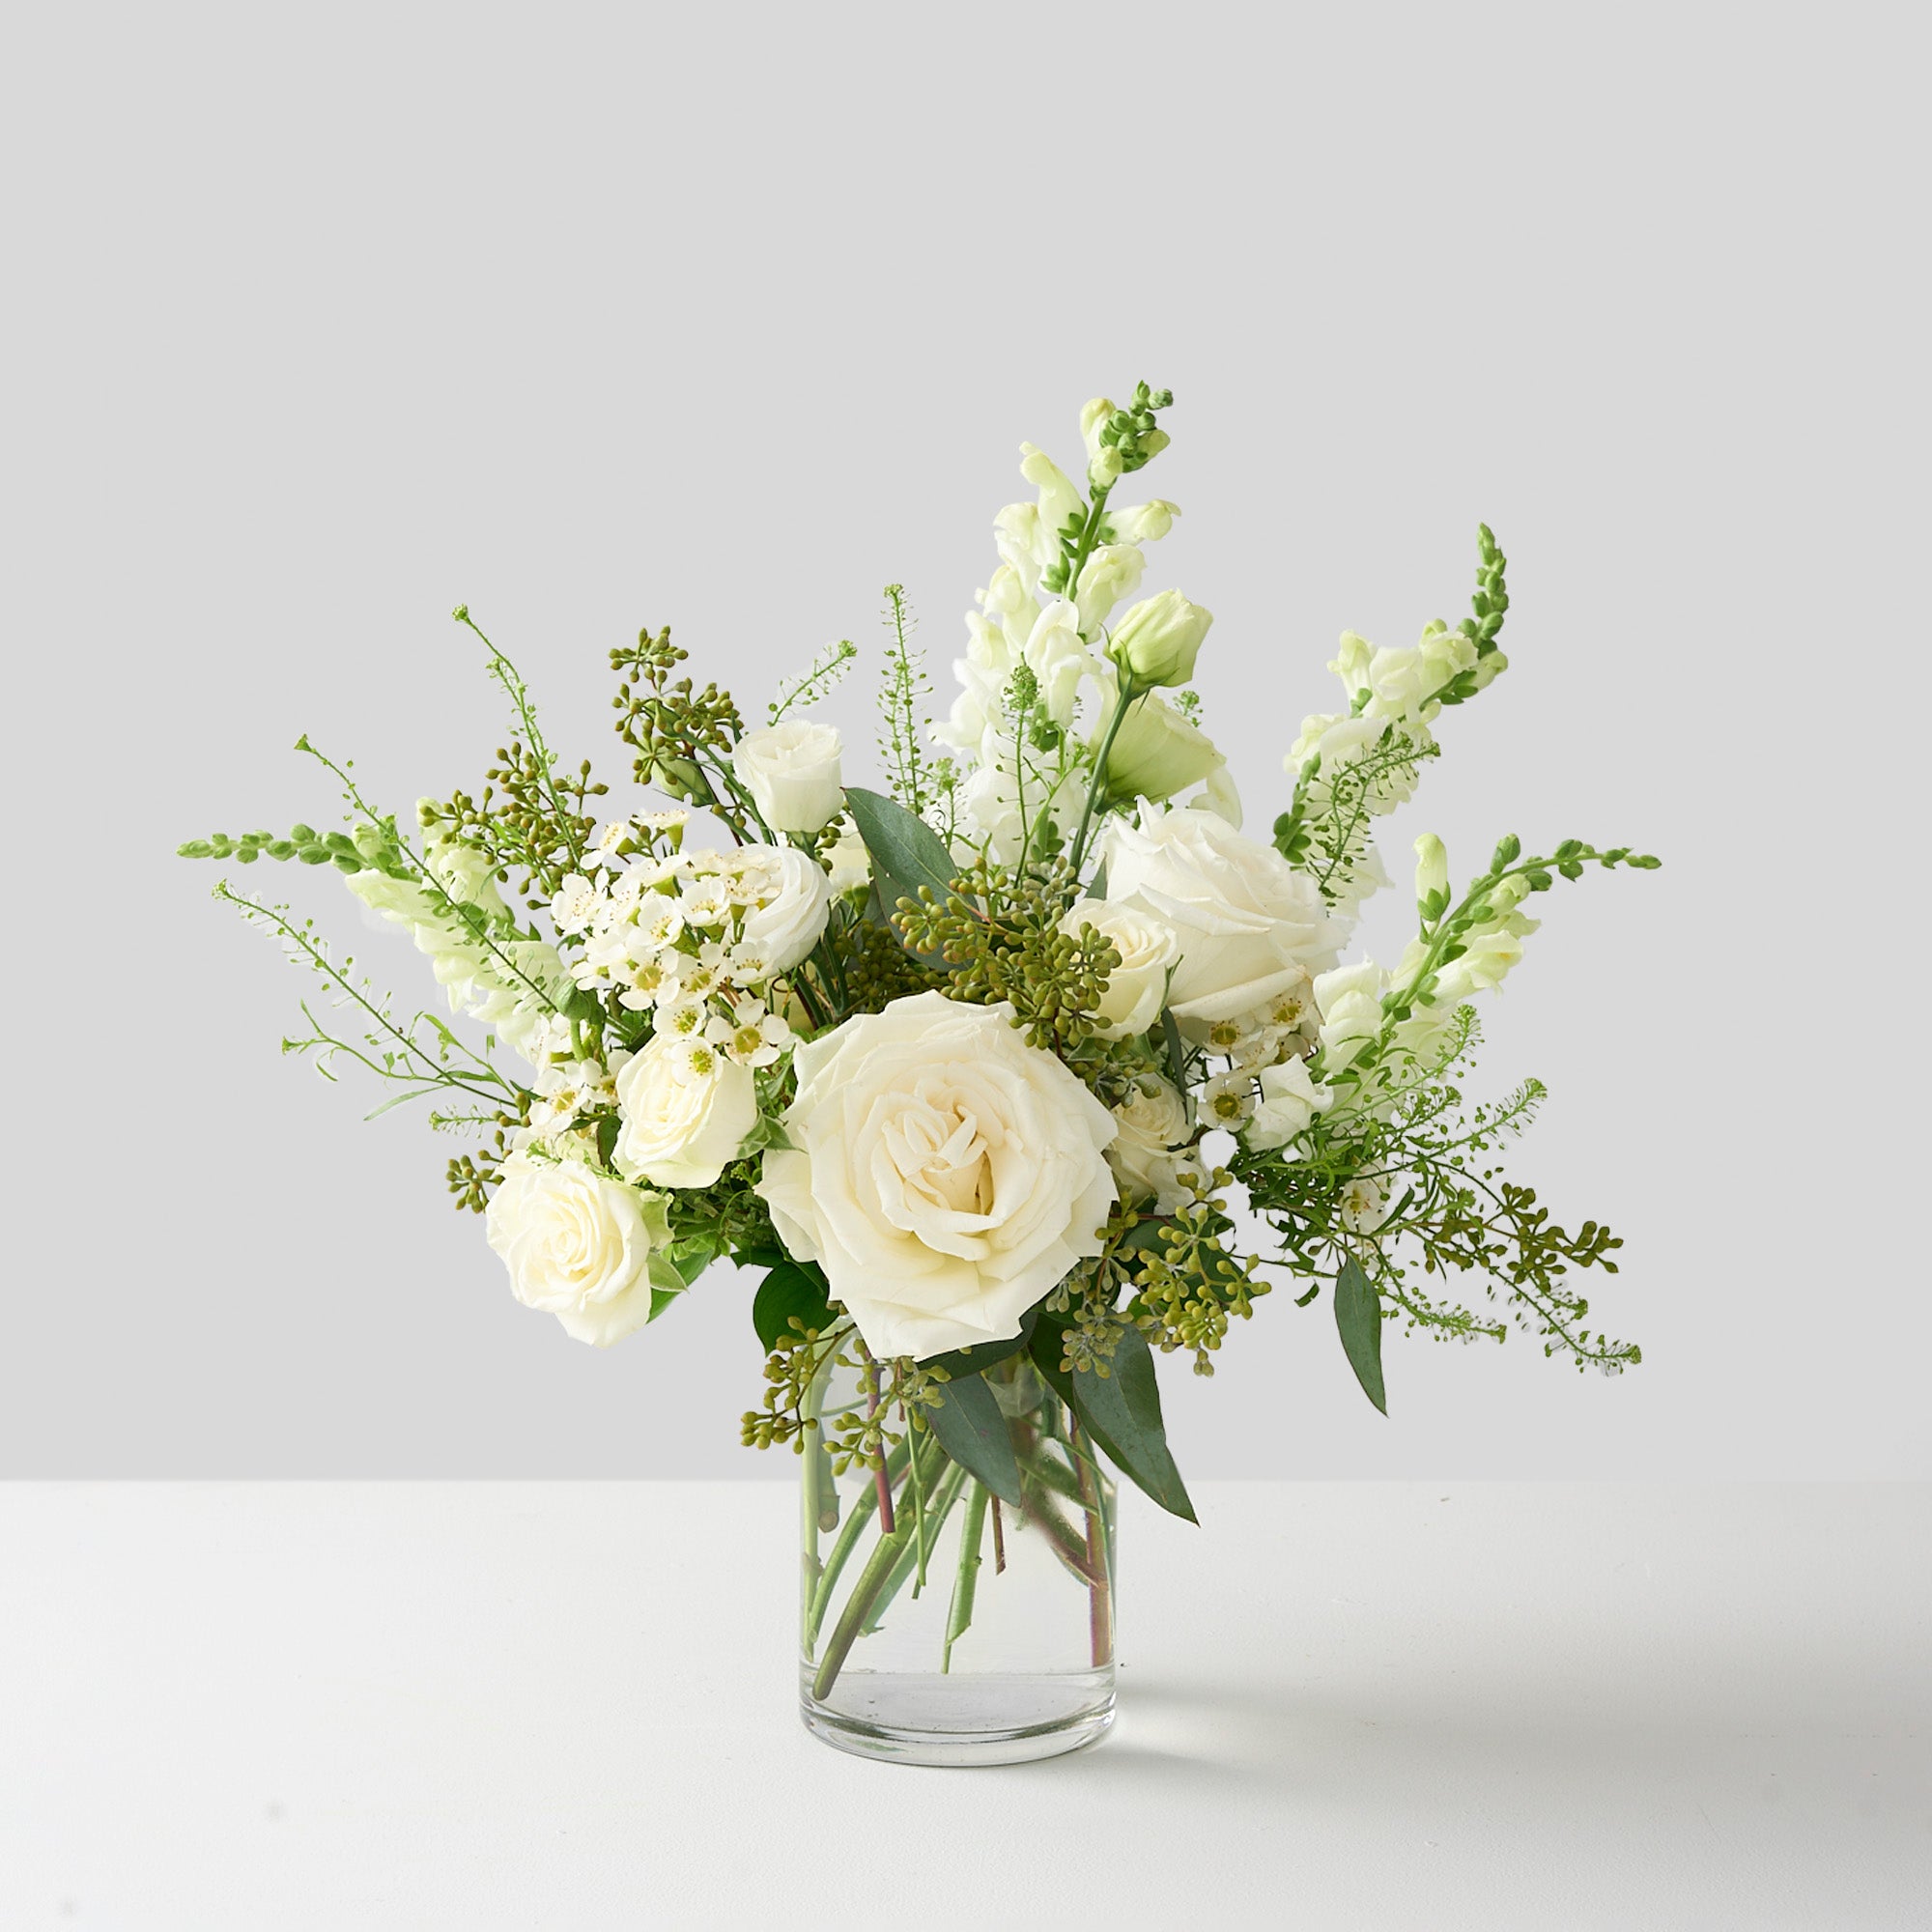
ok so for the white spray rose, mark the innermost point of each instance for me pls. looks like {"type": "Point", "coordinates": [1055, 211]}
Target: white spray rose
{"type": "Point", "coordinates": [1290, 1100]}
{"type": "Point", "coordinates": [789, 900]}
{"type": "Point", "coordinates": [943, 1172]}
{"type": "Point", "coordinates": [1147, 1156]}
{"type": "Point", "coordinates": [577, 1245]}
{"type": "Point", "coordinates": [791, 770]}
{"type": "Point", "coordinates": [1148, 948]}
{"type": "Point", "coordinates": [1250, 926]}
{"type": "Point", "coordinates": [1159, 638]}
{"type": "Point", "coordinates": [683, 1110]}
{"type": "Point", "coordinates": [1157, 753]}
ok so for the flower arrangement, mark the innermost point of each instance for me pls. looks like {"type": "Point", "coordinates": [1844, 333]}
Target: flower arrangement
{"type": "Point", "coordinates": [976, 1063]}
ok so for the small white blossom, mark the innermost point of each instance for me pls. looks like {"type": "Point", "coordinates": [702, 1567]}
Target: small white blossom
{"type": "Point", "coordinates": [576, 903]}
{"type": "Point", "coordinates": [606, 849]}
{"type": "Point", "coordinates": [750, 1036]}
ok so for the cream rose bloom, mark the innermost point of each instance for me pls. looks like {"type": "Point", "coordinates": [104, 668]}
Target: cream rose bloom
{"type": "Point", "coordinates": [1148, 948]}
{"type": "Point", "coordinates": [789, 900]}
{"type": "Point", "coordinates": [683, 1110]}
{"type": "Point", "coordinates": [1249, 925]}
{"type": "Point", "coordinates": [792, 772]}
{"type": "Point", "coordinates": [1147, 1155]}
{"type": "Point", "coordinates": [579, 1246]}
{"type": "Point", "coordinates": [943, 1172]}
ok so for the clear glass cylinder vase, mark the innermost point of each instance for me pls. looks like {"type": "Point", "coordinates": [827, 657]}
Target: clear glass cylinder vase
{"type": "Point", "coordinates": [941, 1623]}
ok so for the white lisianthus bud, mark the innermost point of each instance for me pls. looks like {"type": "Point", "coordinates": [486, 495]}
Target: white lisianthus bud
{"type": "Point", "coordinates": [1093, 419]}
{"type": "Point", "coordinates": [791, 770]}
{"type": "Point", "coordinates": [1149, 947]}
{"type": "Point", "coordinates": [1290, 1100]}
{"type": "Point", "coordinates": [1142, 523]}
{"type": "Point", "coordinates": [1111, 573]}
{"type": "Point", "coordinates": [1157, 753]}
{"type": "Point", "coordinates": [1159, 638]}
{"type": "Point", "coordinates": [1432, 877]}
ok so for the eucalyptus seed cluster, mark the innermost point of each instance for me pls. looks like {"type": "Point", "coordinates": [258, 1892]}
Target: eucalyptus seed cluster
{"type": "Point", "coordinates": [471, 1178]}
{"type": "Point", "coordinates": [1189, 1283]}
{"type": "Point", "coordinates": [1000, 932]}
{"type": "Point", "coordinates": [878, 970]}
{"type": "Point", "coordinates": [673, 729]}
{"type": "Point", "coordinates": [538, 817]}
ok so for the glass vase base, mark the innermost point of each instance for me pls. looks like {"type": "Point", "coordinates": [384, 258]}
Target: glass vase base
{"type": "Point", "coordinates": [911, 1718]}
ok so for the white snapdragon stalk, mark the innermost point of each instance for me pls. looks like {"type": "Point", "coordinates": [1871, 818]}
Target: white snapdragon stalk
{"type": "Point", "coordinates": [1350, 1000]}
{"type": "Point", "coordinates": [1142, 523]}
{"type": "Point", "coordinates": [1113, 572]}
{"type": "Point", "coordinates": [792, 772]}
{"type": "Point", "coordinates": [1290, 1100]}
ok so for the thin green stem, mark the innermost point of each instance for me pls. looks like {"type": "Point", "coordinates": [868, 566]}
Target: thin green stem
{"type": "Point", "coordinates": [1128, 696]}
{"type": "Point", "coordinates": [966, 1582]}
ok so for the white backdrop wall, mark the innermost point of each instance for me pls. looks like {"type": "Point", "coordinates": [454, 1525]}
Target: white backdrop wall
{"type": "Point", "coordinates": [323, 322]}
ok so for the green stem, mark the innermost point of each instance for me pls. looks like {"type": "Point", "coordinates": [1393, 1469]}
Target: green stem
{"type": "Point", "coordinates": [971, 1533]}
{"type": "Point", "coordinates": [944, 1497]}
{"type": "Point", "coordinates": [863, 1505]}
{"type": "Point", "coordinates": [1128, 696]}
{"type": "Point", "coordinates": [873, 1581]}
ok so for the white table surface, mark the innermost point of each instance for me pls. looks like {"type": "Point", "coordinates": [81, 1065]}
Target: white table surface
{"type": "Point", "coordinates": [571, 1705]}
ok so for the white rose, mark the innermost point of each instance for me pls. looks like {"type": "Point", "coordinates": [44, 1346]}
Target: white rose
{"type": "Point", "coordinates": [1148, 948]}
{"type": "Point", "coordinates": [1249, 924]}
{"type": "Point", "coordinates": [1290, 1100]}
{"type": "Point", "coordinates": [944, 1173]}
{"type": "Point", "coordinates": [790, 899]}
{"type": "Point", "coordinates": [1159, 638]}
{"type": "Point", "coordinates": [577, 1245]}
{"type": "Point", "coordinates": [1157, 753]}
{"type": "Point", "coordinates": [791, 770]}
{"type": "Point", "coordinates": [1147, 1155]}
{"type": "Point", "coordinates": [684, 1112]}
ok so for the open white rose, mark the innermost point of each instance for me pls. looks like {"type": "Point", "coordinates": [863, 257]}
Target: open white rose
{"type": "Point", "coordinates": [1147, 1156]}
{"type": "Point", "coordinates": [790, 898]}
{"type": "Point", "coordinates": [1249, 925]}
{"type": "Point", "coordinates": [943, 1172]}
{"type": "Point", "coordinates": [684, 1112]}
{"type": "Point", "coordinates": [792, 772]}
{"type": "Point", "coordinates": [1148, 948]}
{"type": "Point", "coordinates": [577, 1245]}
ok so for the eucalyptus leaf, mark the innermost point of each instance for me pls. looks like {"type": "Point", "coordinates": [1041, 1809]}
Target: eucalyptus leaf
{"type": "Point", "coordinates": [972, 1432]}
{"type": "Point", "coordinates": [1121, 1412]}
{"type": "Point", "coordinates": [984, 1354]}
{"type": "Point", "coordinates": [902, 845]}
{"type": "Point", "coordinates": [1358, 1315]}
{"type": "Point", "coordinates": [789, 1288]}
